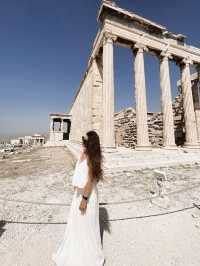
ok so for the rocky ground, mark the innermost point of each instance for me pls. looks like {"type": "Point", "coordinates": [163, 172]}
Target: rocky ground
{"type": "Point", "coordinates": [43, 176]}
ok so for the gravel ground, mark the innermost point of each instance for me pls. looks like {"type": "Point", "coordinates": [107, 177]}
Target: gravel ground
{"type": "Point", "coordinates": [44, 175]}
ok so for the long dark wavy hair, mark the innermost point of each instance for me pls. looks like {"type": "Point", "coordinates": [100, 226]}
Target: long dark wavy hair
{"type": "Point", "coordinates": [94, 154]}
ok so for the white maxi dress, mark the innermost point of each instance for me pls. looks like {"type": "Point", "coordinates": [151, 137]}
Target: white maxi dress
{"type": "Point", "coordinates": [81, 244]}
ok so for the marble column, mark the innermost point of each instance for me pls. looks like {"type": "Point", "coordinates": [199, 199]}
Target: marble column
{"type": "Point", "coordinates": [51, 125]}
{"type": "Point", "coordinates": [62, 125]}
{"type": "Point", "coordinates": [108, 92]}
{"type": "Point", "coordinates": [188, 106]}
{"type": "Point", "coordinates": [197, 111]}
{"type": "Point", "coordinates": [197, 115]}
{"type": "Point", "coordinates": [140, 97]}
{"type": "Point", "coordinates": [166, 102]}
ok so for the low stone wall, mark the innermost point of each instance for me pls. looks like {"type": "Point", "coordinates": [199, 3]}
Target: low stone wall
{"type": "Point", "coordinates": [125, 126]}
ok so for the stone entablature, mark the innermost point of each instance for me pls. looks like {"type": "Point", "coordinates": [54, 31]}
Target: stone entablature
{"type": "Point", "coordinates": [124, 28]}
{"type": "Point", "coordinates": [130, 28]}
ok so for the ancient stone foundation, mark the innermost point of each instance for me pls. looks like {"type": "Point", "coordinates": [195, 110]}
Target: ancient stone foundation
{"type": "Point", "coordinates": [125, 126]}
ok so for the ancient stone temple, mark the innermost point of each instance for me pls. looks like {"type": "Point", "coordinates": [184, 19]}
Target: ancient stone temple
{"type": "Point", "coordinates": [59, 130]}
{"type": "Point", "coordinates": [93, 106]}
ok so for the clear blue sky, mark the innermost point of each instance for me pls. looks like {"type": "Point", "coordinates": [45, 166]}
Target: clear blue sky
{"type": "Point", "coordinates": [44, 50]}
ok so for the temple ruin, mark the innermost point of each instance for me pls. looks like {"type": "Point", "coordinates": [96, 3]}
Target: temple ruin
{"type": "Point", "coordinates": [34, 140]}
{"type": "Point", "coordinates": [59, 130]}
{"type": "Point", "coordinates": [125, 120]}
{"type": "Point", "coordinates": [93, 106]}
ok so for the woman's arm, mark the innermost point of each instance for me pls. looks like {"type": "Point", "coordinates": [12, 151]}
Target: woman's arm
{"type": "Point", "coordinates": [86, 191]}
{"type": "Point", "coordinates": [82, 154]}
{"type": "Point", "coordinates": [88, 188]}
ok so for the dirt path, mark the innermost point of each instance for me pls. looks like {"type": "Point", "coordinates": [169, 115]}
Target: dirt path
{"type": "Point", "coordinates": [44, 175]}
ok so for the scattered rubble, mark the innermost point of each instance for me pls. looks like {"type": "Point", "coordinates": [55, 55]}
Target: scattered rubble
{"type": "Point", "coordinates": [125, 126]}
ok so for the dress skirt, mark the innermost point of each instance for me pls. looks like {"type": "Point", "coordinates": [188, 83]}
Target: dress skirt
{"type": "Point", "coordinates": [81, 244]}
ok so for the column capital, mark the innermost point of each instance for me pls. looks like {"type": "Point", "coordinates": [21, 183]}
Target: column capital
{"type": "Point", "coordinates": [109, 37]}
{"type": "Point", "coordinates": [165, 55]}
{"type": "Point", "coordinates": [140, 47]}
{"type": "Point", "coordinates": [187, 61]}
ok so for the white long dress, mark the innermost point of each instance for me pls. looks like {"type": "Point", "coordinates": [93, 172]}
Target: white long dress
{"type": "Point", "coordinates": [81, 244]}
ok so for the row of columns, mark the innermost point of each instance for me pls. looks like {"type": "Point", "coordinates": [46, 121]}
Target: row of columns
{"type": "Point", "coordinates": [38, 140]}
{"type": "Point", "coordinates": [52, 125]}
{"type": "Point", "coordinates": [140, 96]}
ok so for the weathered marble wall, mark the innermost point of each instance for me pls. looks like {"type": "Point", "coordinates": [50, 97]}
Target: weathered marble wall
{"type": "Point", "coordinates": [97, 94]}
{"type": "Point", "coordinates": [86, 109]}
{"type": "Point", "coordinates": [125, 126]}
{"type": "Point", "coordinates": [179, 124]}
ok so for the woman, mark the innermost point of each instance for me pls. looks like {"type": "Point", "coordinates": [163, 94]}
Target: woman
{"type": "Point", "coordinates": [81, 245]}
